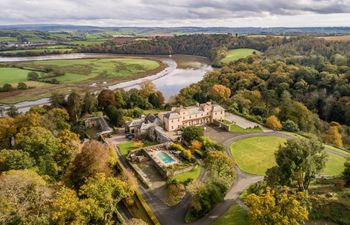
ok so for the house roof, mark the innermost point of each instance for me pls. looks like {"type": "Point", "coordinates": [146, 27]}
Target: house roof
{"type": "Point", "coordinates": [172, 115]}
{"type": "Point", "coordinates": [218, 108]}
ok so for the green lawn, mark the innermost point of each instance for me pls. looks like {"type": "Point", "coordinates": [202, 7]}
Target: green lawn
{"type": "Point", "coordinates": [193, 174]}
{"type": "Point", "coordinates": [77, 70]}
{"type": "Point", "coordinates": [236, 215]}
{"type": "Point", "coordinates": [125, 147]}
{"type": "Point", "coordinates": [334, 165]}
{"type": "Point", "coordinates": [236, 54]}
{"type": "Point", "coordinates": [256, 155]}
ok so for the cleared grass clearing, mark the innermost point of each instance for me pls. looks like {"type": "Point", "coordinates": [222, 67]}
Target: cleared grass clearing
{"type": "Point", "coordinates": [256, 155]}
{"type": "Point", "coordinates": [236, 54]}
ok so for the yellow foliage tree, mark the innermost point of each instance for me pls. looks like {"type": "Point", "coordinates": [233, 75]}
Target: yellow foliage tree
{"type": "Point", "coordinates": [274, 123]}
{"type": "Point", "coordinates": [333, 135]}
{"type": "Point", "coordinates": [220, 92]}
{"type": "Point", "coordinates": [277, 207]}
{"type": "Point", "coordinates": [195, 145]}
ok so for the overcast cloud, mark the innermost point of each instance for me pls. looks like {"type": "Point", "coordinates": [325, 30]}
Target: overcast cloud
{"type": "Point", "coordinates": [233, 13]}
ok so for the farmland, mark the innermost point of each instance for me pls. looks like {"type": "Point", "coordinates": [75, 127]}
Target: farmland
{"type": "Point", "coordinates": [76, 72]}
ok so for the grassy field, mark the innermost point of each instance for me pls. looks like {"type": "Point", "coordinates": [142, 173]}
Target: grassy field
{"type": "Point", "coordinates": [79, 74]}
{"type": "Point", "coordinates": [77, 70]}
{"type": "Point", "coordinates": [193, 174]}
{"type": "Point", "coordinates": [237, 54]}
{"type": "Point", "coordinates": [12, 75]}
{"type": "Point", "coordinates": [256, 155]}
{"type": "Point", "coordinates": [236, 215]}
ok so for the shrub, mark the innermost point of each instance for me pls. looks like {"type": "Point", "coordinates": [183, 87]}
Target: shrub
{"type": "Point", "coordinates": [290, 126]}
{"type": "Point", "coordinates": [192, 133]}
{"type": "Point", "coordinates": [33, 76]}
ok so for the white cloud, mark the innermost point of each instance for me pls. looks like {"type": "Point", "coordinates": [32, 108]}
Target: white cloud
{"type": "Point", "coordinates": [178, 12]}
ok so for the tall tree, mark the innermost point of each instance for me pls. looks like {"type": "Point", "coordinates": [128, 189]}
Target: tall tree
{"type": "Point", "coordinates": [106, 98]}
{"type": "Point", "coordinates": [15, 160]}
{"type": "Point", "coordinates": [146, 88]}
{"type": "Point", "coordinates": [74, 106]}
{"type": "Point", "coordinates": [94, 158]}
{"type": "Point", "coordinates": [24, 198]}
{"type": "Point", "coordinates": [89, 103]}
{"type": "Point", "coordinates": [115, 115]}
{"type": "Point", "coordinates": [57, 100]}
{"type": "Point", "coordinates": [298, 162]}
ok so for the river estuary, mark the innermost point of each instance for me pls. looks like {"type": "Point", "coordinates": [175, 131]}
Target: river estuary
{"type": "Point", "coordinates": [181, 71]}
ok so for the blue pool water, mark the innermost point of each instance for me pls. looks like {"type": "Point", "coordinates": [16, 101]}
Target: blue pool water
{"type": "Point", "coordinates": [165, 157]}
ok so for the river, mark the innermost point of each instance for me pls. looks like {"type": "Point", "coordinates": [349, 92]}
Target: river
{"type": "Point", "coordinates": [181, 71]}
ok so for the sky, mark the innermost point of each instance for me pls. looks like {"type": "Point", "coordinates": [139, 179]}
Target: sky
{"type": "Point", "coordinates": [171, 13]}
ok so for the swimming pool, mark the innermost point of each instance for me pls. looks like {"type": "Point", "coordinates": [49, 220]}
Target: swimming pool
{"type": "Point", "coordinates": [165, 157]}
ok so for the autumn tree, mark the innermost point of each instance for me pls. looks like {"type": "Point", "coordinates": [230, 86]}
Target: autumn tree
{"type": "Point", "coordinates": [298, 163]}
{"type": "Point", "coordinates": [106, 98]}
{"type": "Point", "coordinates": [333, 135]}
{"type": "Point", "coordinates": [94, 158]}
{"type": "Point", "coordinates": [277, 207]}
{"type": "Point", "coordinates": [195, 145]}
{"type": "Point", "coordinates": [7, 131]}
{"type": "Point", "coordinates": [147, 87]}
{"type": "Point", "coordinates": [273, 122]}
{"type": "Point", "coordinates": [51, 154]}
{"type": "Point", "coordinates": [106, 192]}
{"type": "Point", "coordinates": [220, 92]}
{"type": "Point", "coordinates": [15, 160]}
{"type": "Point", "coordinates": [220, 166]}
{"type": "Point", "coordinates": [24, 198]}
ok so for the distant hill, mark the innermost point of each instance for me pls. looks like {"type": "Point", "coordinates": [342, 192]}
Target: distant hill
{"type": "Point", "coordinates": [181, 30]}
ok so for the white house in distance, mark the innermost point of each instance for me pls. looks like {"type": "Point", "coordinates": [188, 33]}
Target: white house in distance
{"type": "Point", "coordinates": [200, 114]}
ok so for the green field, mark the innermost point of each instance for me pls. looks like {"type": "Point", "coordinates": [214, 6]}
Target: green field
{"type": "Point", "coordinates": [236, 215]}
{"type": "Point", "coordinates": [236, 54]}
{"type": "Point", "coordinates": [256, 155]}
{"type": "Point", "coordinates": [193, 174]}
{"type": "Point", "coordinates": [12, 75]}
{"type": "Point", "coordinates": [77, 70]}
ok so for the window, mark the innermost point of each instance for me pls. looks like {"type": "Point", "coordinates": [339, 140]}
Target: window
{"type": "Point", "coordinates": [172, 127]}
